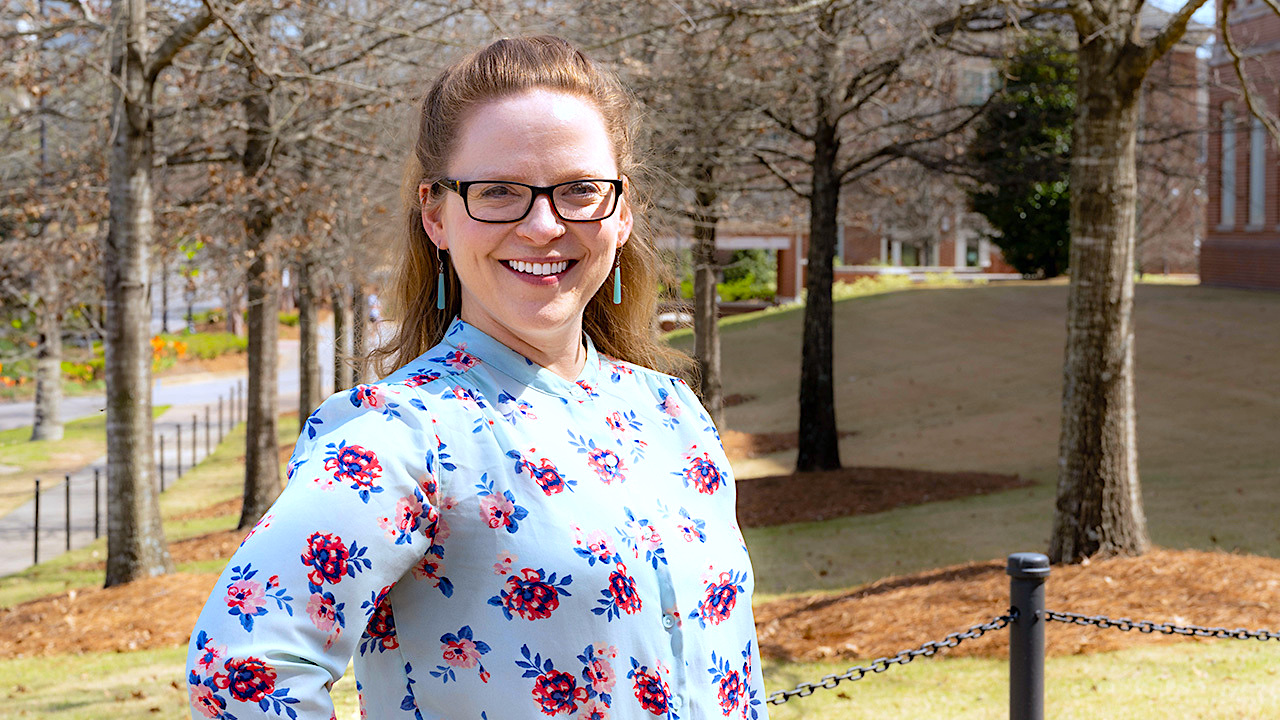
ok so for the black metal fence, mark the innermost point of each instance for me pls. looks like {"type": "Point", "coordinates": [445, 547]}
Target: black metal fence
{"type": "Point", "coordinates": [1026, 620]}
{"type": "Point", "coordinates": [169, 466]}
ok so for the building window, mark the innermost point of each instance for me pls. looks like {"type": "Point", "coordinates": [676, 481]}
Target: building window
{"type": "Point", "coordinates": [1257, 174]}
{"type": "Point", "coordinates": [1227, 200]}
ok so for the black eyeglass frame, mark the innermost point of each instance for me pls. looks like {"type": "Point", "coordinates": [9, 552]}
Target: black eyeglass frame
{"type": "Point", "coordinates": [460, 187]}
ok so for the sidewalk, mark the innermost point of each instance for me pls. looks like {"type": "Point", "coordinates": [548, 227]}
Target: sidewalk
{"type": "Point", "coordinates": [17, 543]}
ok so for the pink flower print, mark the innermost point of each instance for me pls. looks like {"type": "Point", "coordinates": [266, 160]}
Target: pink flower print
{"type": "Point", "coordinates": [203, 699]}
{"type": "Point", "coordinates": [505, 561]}
{"type": "Point", "coordinates": [326, 482]}
{"type": "Point", "coordinates": [210, 655]}
{"type": "Point", "coordinates": [595, 710]}
{"type": "Point", "coordinates": [600, 545]}
{"type": "Point", "coordinates": [496, 510]}
{"type": "Point", "coordinates": [262, 524]}
{"type": "Point", "coordinates": [606, 464]}
{"type": "Point", "coordinates": [615, 423]}
{"type": "Point", "coordinates": [649, 538]}
{"type": "Point", "coordinates": [464, 396]}
{"type": "Point", "coordinates": [325, 611]}
{"type": "Point", "coordinates": [601, 675]}
{"type": "Point", "coordinates": [247, 597]}
{"type": "Point", "coordinates": [669, 404]}
{"type": "Point", "coordinates": [404, 521]}
{"type": "Point", "coordinates": [460, 653]}
{"type": "Point", "coordinates": [446, 504]}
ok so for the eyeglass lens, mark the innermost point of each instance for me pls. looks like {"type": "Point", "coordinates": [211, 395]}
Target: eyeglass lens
{"type": "Point", "coordinates": [508, 202]}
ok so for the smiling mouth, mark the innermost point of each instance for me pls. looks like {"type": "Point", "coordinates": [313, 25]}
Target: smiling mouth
{"type": "Point", "coordinates": [539, 269]}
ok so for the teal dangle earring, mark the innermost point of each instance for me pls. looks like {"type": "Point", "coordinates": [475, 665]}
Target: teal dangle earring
{"type": "Point", "coordinates": [617, 277]}
{"type": "Point", "coordinates": [440, 280]}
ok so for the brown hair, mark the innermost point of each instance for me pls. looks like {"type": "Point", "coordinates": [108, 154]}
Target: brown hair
{"type": "Point", "coordinates": [504, 68]}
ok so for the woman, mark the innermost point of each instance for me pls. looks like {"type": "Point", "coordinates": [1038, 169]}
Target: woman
{"type": "Point", "coordinates": [524, 520]}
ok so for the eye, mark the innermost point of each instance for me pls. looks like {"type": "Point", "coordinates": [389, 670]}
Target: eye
{"type": "Point", "coordinates": [584, 189]}
{"type": "Point", "coordinates": [494, 191]}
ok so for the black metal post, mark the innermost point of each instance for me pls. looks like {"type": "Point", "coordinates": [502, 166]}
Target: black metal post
{"type": "Point", "coordinates": [1027, 573]}
{"type": "Point", "coordinates": [178, 455]}
{"type": "Point", "coordinates": [208, 442]}
{"type": "Point", "coordinates": [35, 546]}
{"type": "Point", "coordinates": [97, 498]}
{"type": "Point", "coordinates": [220, 425]}
{"type": "Point", "coordinates": [161, 462]}
{"type": "Point", "coordinates": [68, 510]}
{"type": "Point", "coordinates": [244, 406]}
{"type": "Point", "coordinates": [195, 438]}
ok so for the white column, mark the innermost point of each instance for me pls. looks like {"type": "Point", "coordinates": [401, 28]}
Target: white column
{"type": "Point", "coordinates": [1257, 174]}
{"type": "Point", "coordinates": [1227, 199]}
{"type": "Point", "coordinates": [896, 258]}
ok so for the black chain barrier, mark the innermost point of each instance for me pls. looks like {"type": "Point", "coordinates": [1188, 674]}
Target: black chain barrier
{"type": "Point", "coordinates": [1148, 627]}
{"type": "Point", "coordinates": [879, 665]}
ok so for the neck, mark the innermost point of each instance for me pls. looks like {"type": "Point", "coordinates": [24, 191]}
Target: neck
{"type": "Point", "coordinates": [560, 350]}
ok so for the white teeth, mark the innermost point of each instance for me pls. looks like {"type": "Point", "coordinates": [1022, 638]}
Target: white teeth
{"type": "Point", "coordinates": [538, 268]}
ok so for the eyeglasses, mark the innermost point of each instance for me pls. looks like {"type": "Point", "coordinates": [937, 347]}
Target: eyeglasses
{"type": "Point", "coordinates": [493, 201]}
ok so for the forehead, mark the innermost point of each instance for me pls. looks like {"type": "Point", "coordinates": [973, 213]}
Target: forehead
{"type": "Point", "coordinates": [539, 137]}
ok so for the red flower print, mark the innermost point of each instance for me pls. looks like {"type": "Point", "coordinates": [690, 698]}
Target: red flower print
{"type": "Point", "coordinates": [367, 395]}
{"type": "Point", "coordinates": [327, 556]}
{"type": "Point", "coordinates": [557, 692]}
{"type": "Point", "coordinates": [730, 693]}
{"type": "Point", "coordinates": [248, 679]}
{"type": "Point", "coordinates": [720, 599]}
{"type": "Point", "coordinates": [357, 465]}
{"type": "Point", "coordinates": [650, 689]}
{"type": "Point", "coordinates": [380, 634]}
{"type": "Point", "coordinates": [623, 589]}
{"type": "Point", "coordinates": [703, 474]}
{"type": "Point", "coordinates": [547, 476]}
{"type": "Point", "coordinates": [531, 594]}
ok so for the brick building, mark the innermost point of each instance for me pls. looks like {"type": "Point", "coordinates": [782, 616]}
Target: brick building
{"type": "Point", "coordinates": [1242, 243]}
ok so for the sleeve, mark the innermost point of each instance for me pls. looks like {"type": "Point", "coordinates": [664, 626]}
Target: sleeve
{"type": "Point", "coordinates": [285, 616]}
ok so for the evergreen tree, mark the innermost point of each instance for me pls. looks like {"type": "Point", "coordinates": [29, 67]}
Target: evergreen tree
{"type": "Point", "coordinates": [1021, 151]}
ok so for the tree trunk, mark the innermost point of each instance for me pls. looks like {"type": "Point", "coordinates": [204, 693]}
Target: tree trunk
{"type": "Point", "coordinates": [136, 546]}
{"type": "Point", "coordinates": [1099, 501]}
{"type": "Point", "coordinates": [819, 447]}
{"type": "Point", "coordinates": [48, 417]}
{"type": "Point", "coordinates": [342, 376]}
{"type": "Point", "coordinates": [235, 321]}
{"type": "Point", "coordinates": [164, 295]}
{"type": "Point", "coordinates": [309, 391]}
{"type": "Point", "coordinates": [359, 330]}
{"type": "Point", "coordinates": [706, 323]}
{"type": "Point", "coordinates": [262, 458]}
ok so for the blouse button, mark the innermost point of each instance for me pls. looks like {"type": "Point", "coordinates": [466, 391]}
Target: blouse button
{"type": "Point", "coordinates": [677, 702]}
{"type": "Point", "coordinates": [667, 621]}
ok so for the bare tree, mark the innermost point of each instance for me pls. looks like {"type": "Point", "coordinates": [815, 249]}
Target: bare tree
{"type": "Point", "coordinates": [849, 87]}
{"type": "Point", "coordinates": [1099, 501]}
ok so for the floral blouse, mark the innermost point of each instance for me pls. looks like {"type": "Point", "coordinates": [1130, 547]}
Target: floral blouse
{"type": "Point", "coordinates": [492, 541]}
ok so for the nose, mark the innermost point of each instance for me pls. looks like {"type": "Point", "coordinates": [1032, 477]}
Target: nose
{"type": "Point", "coordinates": [541, 224]}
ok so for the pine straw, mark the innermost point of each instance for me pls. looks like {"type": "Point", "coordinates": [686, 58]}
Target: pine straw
{"type": "Point", "coordinates": [880, 619]}
{"type": "Point", "coordinates": [1203, 588]}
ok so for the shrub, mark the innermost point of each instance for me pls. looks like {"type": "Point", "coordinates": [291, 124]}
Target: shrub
{"type": "Point", "coordinates": [289, 318]}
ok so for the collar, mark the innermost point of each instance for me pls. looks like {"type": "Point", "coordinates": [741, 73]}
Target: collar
{"type": "Point", "coordinates": [467, 337]}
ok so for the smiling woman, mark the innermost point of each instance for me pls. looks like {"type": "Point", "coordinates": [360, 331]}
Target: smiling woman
{"type": "Point", "coordinates": [525, 518]}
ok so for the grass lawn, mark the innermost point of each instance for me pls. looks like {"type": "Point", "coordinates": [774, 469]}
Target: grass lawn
{"type": "Point", "coordinates": [21, 461]}
{"type": "Point", "coordinates": [970, 379]}
{"type": "Point", "coordinates": [1221, 680]}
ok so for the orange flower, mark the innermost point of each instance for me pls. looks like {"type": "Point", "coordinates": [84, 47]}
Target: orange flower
{"type": "Point", "coordinates": [157, 344]}
{"type": "Point", "coordinates": [180, 348]}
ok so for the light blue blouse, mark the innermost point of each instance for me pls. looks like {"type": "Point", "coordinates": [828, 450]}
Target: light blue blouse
{"type": "Point", "coordinates": [492, 541]}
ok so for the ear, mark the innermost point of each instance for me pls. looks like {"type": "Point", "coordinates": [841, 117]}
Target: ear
{"type": "Point", "coordinates": [432, 220]}
{"type": "Point", "coordinates": [625, 220]}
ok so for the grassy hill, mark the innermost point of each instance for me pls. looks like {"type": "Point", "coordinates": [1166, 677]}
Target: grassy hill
{"type": "Point", "coordinates": [970, 379]}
